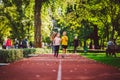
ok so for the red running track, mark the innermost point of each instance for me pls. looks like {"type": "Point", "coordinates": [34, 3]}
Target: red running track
{"type": "Point", "coordinates": [47, 67]}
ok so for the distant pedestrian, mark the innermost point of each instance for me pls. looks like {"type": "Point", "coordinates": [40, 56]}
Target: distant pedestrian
{"type": "Point", "coordinates": [16, 43]}
{"type": "Point", "coordinates": [31, 44]}
{"type": "Point", "coordinates": [64, 43]}
{"type": "Point", "coordinates": [110, 48]}
{"type": "Point", "coordinates": [8, 43]}
{"type": "Point", "coordinates": [56, 43]}
{"type": "Point", "coordinates": [76, 43]}
{"type": "Point", "coordinates": [4, 44]}
{"type": "Point", "coordinates": [25, 43]}
{"type": "Point", "coordinates": [20, 44]}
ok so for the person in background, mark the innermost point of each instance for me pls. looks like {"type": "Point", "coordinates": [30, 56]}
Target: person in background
{"type": "Point", "coordinates": [20, 43]}
{"type": "Point", "coordinates": [8, 43]}
{"type": "Point", "coordinates": [64, 43]}
{"type": "Point", "coordinates": [4, 44]}
{"type": "Point", "coordinates": [110, 50]}
{"type": "Point", "coordinates": [56, 43]}
{"type": "Point", "coordinates": [25, 43]}
{"type": "Point", "coordinates": [76, 43]}
{"type": "Point", "coordinates": [31, 44]}
{"type": "Point", "coordinates": [16, 44]}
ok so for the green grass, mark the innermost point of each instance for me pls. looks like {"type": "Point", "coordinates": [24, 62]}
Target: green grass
{"type": "Point", "coordinates": [101, 57]}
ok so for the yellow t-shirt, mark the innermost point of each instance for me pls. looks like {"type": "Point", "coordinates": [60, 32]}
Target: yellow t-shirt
{"type": "Point", "coordinates": [64, 40]}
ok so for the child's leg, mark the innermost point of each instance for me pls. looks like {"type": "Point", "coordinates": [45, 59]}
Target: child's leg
{"type": "Point", "coordinates": [64, 52]}
{"type": "Point", "coordinates": [57, 51]}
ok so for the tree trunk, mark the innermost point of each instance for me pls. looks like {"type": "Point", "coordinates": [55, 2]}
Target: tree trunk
{"type": "Point", "coordinates": [102, 44]}
{"type": "Point", "coordinates": [37, 24]}
{"type": "Point", "coordinates": [107, 33]}
{"type": "Point", "coordinates": [96, 38]}
{"type": "Point", "coordinates": [90, 46]}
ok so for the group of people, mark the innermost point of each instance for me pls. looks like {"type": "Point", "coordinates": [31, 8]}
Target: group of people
{"type": "Point", "coordinates": [57, 41]}
{"type": "Point", "coordinates": [8, 43]}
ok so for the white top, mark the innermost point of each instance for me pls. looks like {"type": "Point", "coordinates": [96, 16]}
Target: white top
{"type": "Point", "coordinates": [56, 41]}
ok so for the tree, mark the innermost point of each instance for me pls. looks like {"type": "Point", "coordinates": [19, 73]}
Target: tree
{"type": "Point", "coordinates": [102, 19]}
{"type": "Point", "coordinates": [37, 23]}
{"type": "Point", "coordinates": [14, 11]}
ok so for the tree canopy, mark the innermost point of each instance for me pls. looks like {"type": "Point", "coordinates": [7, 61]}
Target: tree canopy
{"type": "Point", "coordinates": [93, 21]}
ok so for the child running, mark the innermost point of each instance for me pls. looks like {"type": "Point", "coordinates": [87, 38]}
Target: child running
{"type": "Point", "coordinates": [64, 43]}
{"type": "Point", "coordinates": [52, 37]}
{"type": "Point", "coordinates": [56, 43]}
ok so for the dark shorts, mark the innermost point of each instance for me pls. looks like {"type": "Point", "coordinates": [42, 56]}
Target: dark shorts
{"type": "Point", "coordinates": [64, 46]}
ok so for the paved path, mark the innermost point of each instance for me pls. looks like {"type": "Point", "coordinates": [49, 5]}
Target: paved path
{"type": "Point", "coordinates": [47, 67]}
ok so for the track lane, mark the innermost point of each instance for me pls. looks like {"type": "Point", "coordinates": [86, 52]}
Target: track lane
{"type": "Point", "coordinates": [30, 69]}
{"type": "Point", "coordinates": [47, 67]}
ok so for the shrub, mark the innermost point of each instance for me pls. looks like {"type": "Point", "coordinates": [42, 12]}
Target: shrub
{"type": "Point", "coordinates": [10, 55]}
{"type": "Point", "coordinates": [26, 52]}
{"type": "Point", "coordinates": [42, 50]}
{"type": "Point", "coordinates": [34, 51]}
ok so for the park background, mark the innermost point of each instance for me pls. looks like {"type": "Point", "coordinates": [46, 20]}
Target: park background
{"type": "Point", "coordinates": [95, 22]}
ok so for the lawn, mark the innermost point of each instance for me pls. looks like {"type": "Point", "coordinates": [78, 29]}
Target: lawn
{"type": "Point", "coordinates": [101, 57]}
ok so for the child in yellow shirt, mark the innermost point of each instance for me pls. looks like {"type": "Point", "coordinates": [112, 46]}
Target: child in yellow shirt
{"type": "Point", "coordinates": [64, 43]}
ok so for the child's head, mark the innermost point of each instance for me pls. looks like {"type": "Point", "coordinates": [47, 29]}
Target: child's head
{"type": "Point", "coordinates": [58, 34]}
{"type": "Point", "coordinates": [64, 33]}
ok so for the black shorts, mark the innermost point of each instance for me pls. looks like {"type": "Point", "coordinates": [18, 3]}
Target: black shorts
{"type": "Point", "coordinates": [64, 46]}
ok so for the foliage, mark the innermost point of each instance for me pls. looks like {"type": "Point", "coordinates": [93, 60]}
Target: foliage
{"type": "Point", "coordinates": [16, 18]}
{"type": "Point", "coordinates": [10, 55]}
{"type": "Point", "coordinates": [34, 51]}
{"type": "Point", "coordinates": [77, 17]}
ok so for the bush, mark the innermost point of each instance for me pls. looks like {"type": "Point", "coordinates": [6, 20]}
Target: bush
{"type": "Point", "coordinates": [26, 52]}
{"type": "Point", "coordinates": [34, 51]}
{"type": "Point", "coordinates": [10, 55]}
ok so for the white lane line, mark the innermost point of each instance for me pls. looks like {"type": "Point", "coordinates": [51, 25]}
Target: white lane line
{"type": "Point", "coordinates": [59, 76]}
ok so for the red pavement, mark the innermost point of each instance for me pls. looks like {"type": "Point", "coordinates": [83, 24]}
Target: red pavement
{"type": "Point", "coordinates": [47, 67]}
